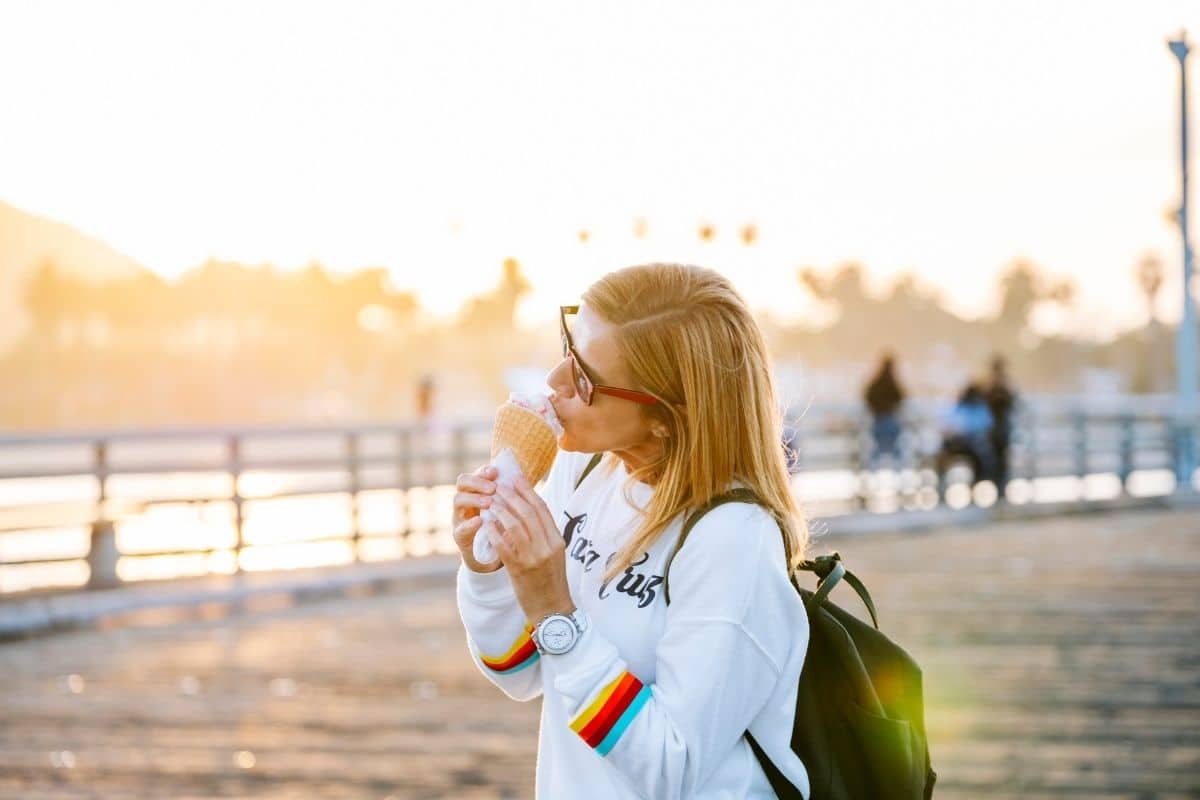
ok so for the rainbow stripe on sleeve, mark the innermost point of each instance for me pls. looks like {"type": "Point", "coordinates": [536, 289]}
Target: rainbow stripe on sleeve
{"type": "Point", "coordinates": [603, 722]}
{"type": "Point", "coordinates": [519, 656]}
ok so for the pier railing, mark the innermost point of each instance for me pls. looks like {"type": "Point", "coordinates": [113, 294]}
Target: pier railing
{"type": "Point", "coordinates": [104, 479]}
{"type": "Point", "coordinates": [93, 483]}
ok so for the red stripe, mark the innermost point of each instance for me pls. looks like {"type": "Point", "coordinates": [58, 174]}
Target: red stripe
{"type": "Point", "coordinates": [627, 679]}
{"type": "Point", "coordinates": [525, 652]}
{"type": "Point", "coordinates": [599, 727]}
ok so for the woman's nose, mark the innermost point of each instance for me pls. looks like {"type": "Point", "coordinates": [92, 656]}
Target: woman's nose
{"type": "Point", "coordinates": [559, 379]}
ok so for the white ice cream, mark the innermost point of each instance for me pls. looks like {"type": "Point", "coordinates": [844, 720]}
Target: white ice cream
{"type": "Point", "coordinates": [540, 404]}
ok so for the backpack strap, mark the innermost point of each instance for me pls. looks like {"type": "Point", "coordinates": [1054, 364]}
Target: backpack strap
{"type": "Point", "coordinates": [735, 496]}
{"type": "Point", "coordinates": [829, 570]}
{"type": "Point", "coordinates": [779, 782]}
{"type": "Point", "coordinates": [591, 465]}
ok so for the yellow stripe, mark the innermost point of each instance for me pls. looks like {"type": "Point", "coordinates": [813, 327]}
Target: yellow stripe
{"type": "Point", "coordinates": [512, 650]}
{"type": "Point", "coordinates": [586, 715]}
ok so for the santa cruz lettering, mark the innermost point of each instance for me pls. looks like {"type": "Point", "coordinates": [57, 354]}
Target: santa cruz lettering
{"type": "Point", "coordinates": [579, 548]}
{"type": "Point", "coordinates": [635, 584]}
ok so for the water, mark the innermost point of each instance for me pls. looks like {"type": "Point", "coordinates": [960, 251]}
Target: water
{"type": "Point", "coordinates": [316, 530]}
{"type": "Point", "coordinates": [279, 533]}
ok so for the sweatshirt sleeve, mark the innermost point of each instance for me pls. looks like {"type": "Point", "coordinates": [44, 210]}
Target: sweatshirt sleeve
{"type": "Point", "coordinates": [715, 666]}
{"type": "Point", "coordinates": [498, 635]}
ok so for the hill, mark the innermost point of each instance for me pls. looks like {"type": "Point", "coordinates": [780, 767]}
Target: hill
{"type": "Point", "coordinates": [26, 240]}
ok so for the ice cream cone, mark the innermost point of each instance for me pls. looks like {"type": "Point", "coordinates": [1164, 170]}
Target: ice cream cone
{"type": "Point", "coordinates": [530, 438]}
{"type": "Point", "coordinates": [525, 440]}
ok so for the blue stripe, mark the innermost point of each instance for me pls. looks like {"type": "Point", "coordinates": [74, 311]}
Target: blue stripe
{"type": "Point", "coordinates": [518, 667]}
{"type": "Point", "coordinates": [611, 740]}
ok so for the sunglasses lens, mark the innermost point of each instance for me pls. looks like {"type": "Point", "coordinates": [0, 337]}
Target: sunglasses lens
{"type": "Point", "coordinates": [581, 383]}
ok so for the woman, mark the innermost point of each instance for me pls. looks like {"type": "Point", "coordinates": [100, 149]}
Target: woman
{"type": "Point", "coordinates": [665, 371]}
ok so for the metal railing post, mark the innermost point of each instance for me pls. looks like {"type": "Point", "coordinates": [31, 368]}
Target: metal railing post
{"type": "Point", "coordinates": [1029, 421]}
{"type": "Point", "coordinates": [1180, 433]}
{"type": "Point", "coordinates": [1126, 464]}
{"type": "Point", "coordinates": [103, 553]}
{"type": "Point", "coordinates": [859, 428]}
{"type": "Point", "coordinates": [352, 467]}
{"type": "Point", "coordinates": [404, 469]}
{"type": "Point", "coordinates": [1079, 430]}
{"type": "Point", "coordinates": [235, 468]}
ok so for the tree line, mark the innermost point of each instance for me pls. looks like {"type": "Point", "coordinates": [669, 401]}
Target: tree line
{"type": "Point", "coordinates": [233, 343]}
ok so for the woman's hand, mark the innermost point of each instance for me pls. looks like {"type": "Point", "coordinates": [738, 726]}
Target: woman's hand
{"type": "Point", "coordinates": [475, 492]}
{"type": "Point", "coordinates": [532, 548]}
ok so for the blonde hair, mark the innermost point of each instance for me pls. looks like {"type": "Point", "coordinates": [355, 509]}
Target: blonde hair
{"type": "Point", "coordinates": [688, 338]}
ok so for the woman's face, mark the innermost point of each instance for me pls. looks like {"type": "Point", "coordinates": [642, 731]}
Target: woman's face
{"type": "Point", "coordinates": [610, 423]}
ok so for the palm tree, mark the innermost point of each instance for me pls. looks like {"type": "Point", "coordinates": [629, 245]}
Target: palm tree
{"type": "Point", "coordinates": [43, 297]}
{"type": "Point", "coordinates": [1149, 274]}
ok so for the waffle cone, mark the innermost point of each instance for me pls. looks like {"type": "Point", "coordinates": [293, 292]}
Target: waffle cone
{"type": "Point", "coordinates": [529, 437]}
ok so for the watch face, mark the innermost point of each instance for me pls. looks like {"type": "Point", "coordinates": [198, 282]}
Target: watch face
{"type": "Point", "coordinates": [557, 634]}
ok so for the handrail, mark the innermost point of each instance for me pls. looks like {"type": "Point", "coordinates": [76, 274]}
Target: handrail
{"type": "Point", "coordinates": [1046, 441]}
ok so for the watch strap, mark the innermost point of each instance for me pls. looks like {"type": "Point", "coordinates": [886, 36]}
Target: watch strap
{"type": "Point", "coordinates": [577, 617]}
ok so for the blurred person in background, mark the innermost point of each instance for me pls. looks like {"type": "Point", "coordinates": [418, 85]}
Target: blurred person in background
{"type": "Point", "coordinates": [1001, 401]}
{"type": "Point", "coordinates": [884, 397]}
{"type": "Point", "coordinates": [425, 391]}
{"type": "Point", "coordinates": [966, 433]}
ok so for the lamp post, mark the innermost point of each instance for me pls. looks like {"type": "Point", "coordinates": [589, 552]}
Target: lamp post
{"type": "Point", "coordinates": [1185, 340]}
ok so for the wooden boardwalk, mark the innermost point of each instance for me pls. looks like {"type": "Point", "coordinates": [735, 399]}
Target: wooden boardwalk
{"type": "Point", "coordinates": [1062, 659]}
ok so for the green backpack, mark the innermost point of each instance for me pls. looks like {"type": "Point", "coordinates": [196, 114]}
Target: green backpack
{"type": "Point", "coordinates": [859, 727]}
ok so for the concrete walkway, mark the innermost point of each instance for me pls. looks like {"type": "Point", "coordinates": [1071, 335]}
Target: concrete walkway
{"type": "Point", "coordinates": [1061, 658]}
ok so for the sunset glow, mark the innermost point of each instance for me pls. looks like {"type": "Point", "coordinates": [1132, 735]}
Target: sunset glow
{"type": "Point", "coordinates": [439, 139]}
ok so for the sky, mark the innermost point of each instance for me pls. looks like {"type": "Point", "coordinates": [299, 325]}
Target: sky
{"type": "Point", "coordinates": [437, 139]}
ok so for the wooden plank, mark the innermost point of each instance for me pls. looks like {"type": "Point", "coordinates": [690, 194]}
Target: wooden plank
{"type": "Point", "coordinates": [1060, 660]}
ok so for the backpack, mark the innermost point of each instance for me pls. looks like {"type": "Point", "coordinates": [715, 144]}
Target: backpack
{"type": "Point", "coordinates": [859, 727]}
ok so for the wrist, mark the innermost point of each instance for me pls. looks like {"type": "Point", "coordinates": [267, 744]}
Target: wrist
{"type": "Point", "coordinates": [545, 610]}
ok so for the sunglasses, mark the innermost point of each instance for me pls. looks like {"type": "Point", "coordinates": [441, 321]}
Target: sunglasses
{"type": "Point", "coordinates": [583, 383]}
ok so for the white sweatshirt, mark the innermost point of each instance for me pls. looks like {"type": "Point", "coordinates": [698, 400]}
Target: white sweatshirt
{"type": "Point", "coordinates": [653, 700]}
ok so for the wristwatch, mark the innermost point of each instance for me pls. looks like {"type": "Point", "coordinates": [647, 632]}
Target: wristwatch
{"type": "Point", "coordinates": [557, 633]}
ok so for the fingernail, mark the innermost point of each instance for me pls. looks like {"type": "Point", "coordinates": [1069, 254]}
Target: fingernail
{"type": "Point", "coordinates": [486, 501]}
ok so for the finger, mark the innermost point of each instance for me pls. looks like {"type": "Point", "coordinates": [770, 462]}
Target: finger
{"type": "Point", "coordinates": [543, 530]}
{"type": "Point", "coordinates": [522, 507]}
{"type": "Point", "coordinates": [465, 531]}
{"type": "Point", "coordinates": [500, 542]}
{"type": "Point", "coordinates": [472, 482]}
{"type": "Point", "coordinates": [469, 504]}
{"type": "Point", "coordinates": [510, 518]}
{"type": "Point", "coordinates": [539, 511]}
